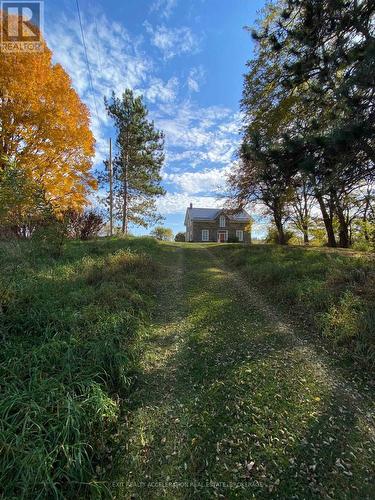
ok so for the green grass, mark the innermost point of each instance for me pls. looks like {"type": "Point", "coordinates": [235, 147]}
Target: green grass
{"type": "Point", "coordinates": [69, 333]}
{"type": "Point", "coordinates": [332, 292]}
{"type": "Point", "coordinates": [229, 404]}
{"type": "Point", "coordinates": [132, 369]}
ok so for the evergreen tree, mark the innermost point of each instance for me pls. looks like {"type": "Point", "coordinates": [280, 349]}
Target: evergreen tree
{"type": "Point", "coordinates": [330, 52]}
{"type": "Point", "coordinates": [265, 172]}
{"type": "Point", "coordinates": [137, 164]}
{"type": "Point", "coordinates": [263, 175]}
{"type": "Point", "coordinates": [309, 97]}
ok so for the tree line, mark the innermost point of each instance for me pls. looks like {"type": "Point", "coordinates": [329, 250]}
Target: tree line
{"type": "Point", "coordinates": [47, 150]}
{"type": "Point", "coordinates": [307, 150]}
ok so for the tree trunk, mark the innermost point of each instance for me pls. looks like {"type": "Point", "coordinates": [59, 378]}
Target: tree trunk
{"type": "Point", "coordinates": [343, 224]}
{"type": "Point", "coordinates": [343, 229]}
{"type": "Point", "coordinates": [365, 219]}
{"type": "Point", "coordinates": [305, 222]}
{"type": "Point", "coordinates": [125, 208]}
{"type": "Point", "coordinates": [280, 229]}
{"type": "Point", "coordinates": [125, 194]}
{"type": "Point", "coordinates": [305, 234]}
{"type": "Point", "coordinates": [328, 223]}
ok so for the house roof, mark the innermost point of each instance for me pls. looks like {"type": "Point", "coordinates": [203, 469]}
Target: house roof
{"type": "Point", "coordinates": [212, 214]}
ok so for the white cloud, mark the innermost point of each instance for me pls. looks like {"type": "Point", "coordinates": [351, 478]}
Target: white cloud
{"type": "Point", "coordinates": [195, 78]}
{"type": "Point", "coordinates": [191, 157]}
{"type": "Point", "coordinates": [164, 7]}
{"type": "Point", "coordinates": [176, 203]}
{"type": "Point", "coordinates": [172, 41]}
{"type": "Point", "coordinates": [115, 58]}
{"type": "Point", "coordinates": [198, 134]}
{"type": "Point", "coordinates": [195, 135]}
{"type": "Point", "coordinates": [160, 91]}
{"type": "Point", "coordinates": [206, 181]}
{"type": "Point", "coordinates": [117, 61]}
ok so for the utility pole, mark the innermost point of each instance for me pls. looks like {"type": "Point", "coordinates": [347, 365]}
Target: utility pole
{"type": "Point", "coordinates": [110, 172]}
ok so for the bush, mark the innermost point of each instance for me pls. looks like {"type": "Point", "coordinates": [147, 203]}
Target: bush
{"type": "Point", "coordinates": [51, 235]}
{"type": "Point", "coordinates": [363, 246]}
{"type": "Point", "coordinates": [179, 237]}
{"type": "Point", "coordinates": [232, 239]}
{"type": "Point", "coordinates": [24, 211]}
{"type": "Point", "coordinates": [273, 237]}
{"type": "Point", "coordinates": [23, 206]}
{"type": "Point", "coordinates": [83, 225]}
{"type": "Point", "coordinates": [342, 321]}
{"type": "Point", "coordinates": [162, 233]}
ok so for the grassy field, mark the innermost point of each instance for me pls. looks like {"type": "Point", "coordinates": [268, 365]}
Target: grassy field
{"type": "Point", "coordinates": [69, 332]}
{"type": "Point", "coordinates": [331, 291]}
{"type": "Point", "coordinates": [232, 403]}
{"type": "Point", "coordinates": [132, 369]}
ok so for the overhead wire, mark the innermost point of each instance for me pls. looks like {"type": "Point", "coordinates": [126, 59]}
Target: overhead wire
{"type": "Point", "coordinates": [87, 60]}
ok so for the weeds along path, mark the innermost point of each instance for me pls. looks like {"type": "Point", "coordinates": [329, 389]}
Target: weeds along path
{"type": "Point", "coordinates": [231, 404]}
{"type": "Point", "coordinates": [302, 341]}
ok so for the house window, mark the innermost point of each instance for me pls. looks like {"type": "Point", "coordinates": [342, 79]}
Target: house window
{"type": "Point", "coordinates": [239, 234]}
{"type": "Point", "coordinates": [222, 221]}
{"type": "Point", "coordinates": [205, 235]}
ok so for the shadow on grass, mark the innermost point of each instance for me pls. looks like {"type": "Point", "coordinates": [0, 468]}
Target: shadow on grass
{"type": "Point", "coordinates": [236, 408]}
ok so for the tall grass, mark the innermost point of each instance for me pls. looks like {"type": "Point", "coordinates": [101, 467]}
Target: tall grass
{"type": "Point", "coordinates": [333, 292]}
{"type": "Point", "coordinates": [69, 330]}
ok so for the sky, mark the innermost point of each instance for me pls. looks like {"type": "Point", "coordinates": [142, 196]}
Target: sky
{"type": "Point", "coordinates": [187, 58]}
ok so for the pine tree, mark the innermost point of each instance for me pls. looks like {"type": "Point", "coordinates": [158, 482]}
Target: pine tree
{"type": "Point", "coordinates": [265, 172]}
{"type": "Point", "coordinates": [263, 175]}
{"type": "Point", "coordinates": [310, 91]}
{"type": "Point", "coordinates": [137, 164]}
{"type": "Point", "coordinates": [330, 48]}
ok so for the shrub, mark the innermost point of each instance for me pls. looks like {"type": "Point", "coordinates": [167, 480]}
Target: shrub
{"type": "Point", "coordinates": [162, 233]}
{"type": "Point", "coordinates": [341, 320]}
{"type": "Point", "coordinates": [179, 237]}
{"type": "Point", "coordinates": [83, 225]}
{"type": "Point", "coordinates": [232, 239]}
{"type": "Point", "coordinates": [23, 206]}
{"type": "Point", "coordinates": [273, 237]}
{"type": "Point", "coordinates": [363, 246]}
{"type": "Point", "coordinates": [51, 235]}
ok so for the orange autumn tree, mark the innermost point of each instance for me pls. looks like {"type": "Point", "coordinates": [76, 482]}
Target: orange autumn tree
{"type": "Point", "coordinates": [45, 129]}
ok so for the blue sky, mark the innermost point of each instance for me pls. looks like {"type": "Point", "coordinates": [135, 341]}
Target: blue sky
{"type": "Point", "coordinates": [187, 58]}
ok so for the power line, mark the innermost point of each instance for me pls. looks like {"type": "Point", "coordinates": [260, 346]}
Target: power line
{"type": "Point", "coordinates": [97, 41]}
{"type": "Point", "coordinates": [87, 59]}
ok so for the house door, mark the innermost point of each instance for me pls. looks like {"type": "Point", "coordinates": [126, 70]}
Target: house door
{"type": "Point", "coordinates": [221, 238]}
